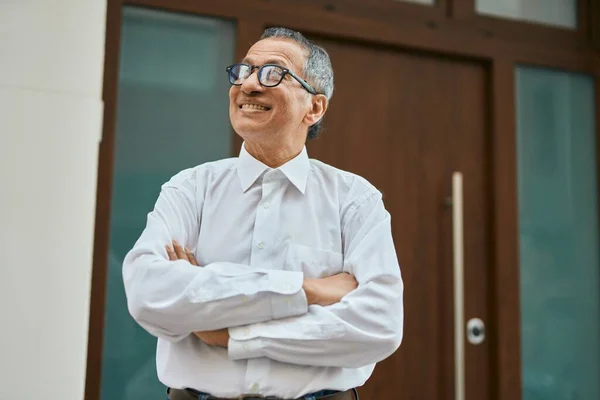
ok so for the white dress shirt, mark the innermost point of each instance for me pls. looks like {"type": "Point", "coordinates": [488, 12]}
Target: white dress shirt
{"type": "Point", "coordinates": [257, 232]}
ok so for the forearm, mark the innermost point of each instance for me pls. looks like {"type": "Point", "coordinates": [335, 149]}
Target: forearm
{"type": "Point", "coordinates": [171, 299]}
{"type": "Point", "coordinates": [365, 328]}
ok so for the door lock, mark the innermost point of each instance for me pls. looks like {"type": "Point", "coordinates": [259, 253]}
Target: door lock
{"type": "Point", "coordinates": [475, 331]}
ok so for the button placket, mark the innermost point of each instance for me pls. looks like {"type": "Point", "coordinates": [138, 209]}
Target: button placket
{"type": "Point", "coordinates": [257, 369]}
{"type": "Point", "coordinates": [261, 229]}
{"type": "Point", "coordinates": [264, 233]}
{"type": "Point", "coordinates": [257, 375]}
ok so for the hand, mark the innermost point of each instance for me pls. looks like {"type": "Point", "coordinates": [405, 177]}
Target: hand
{"type": "Point", "coordinates": [178, 253]}
{"type": "Point", "coordinates": [330, 290]}
{"type": "Point", "coordinates": [214, 338]}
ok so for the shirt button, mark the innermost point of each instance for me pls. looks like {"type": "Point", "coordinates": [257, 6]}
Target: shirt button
{"type": "Point", "coordinates": [247, 331]}
{"type": "Point", "coordinates": [246, 347]}
{"type": "Point", "coordinates": [267, 205]}
{"type": "Point", "coordinates": [254, 388]}
{"type": "Point", "coordinates": [261, 245]}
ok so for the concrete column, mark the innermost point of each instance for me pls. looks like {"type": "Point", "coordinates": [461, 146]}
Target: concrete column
{"type": "Point", "coordinates": [51, 64]}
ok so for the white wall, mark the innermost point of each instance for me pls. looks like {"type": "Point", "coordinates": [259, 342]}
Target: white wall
{"type": "Point", "coordinates": [51, 60]}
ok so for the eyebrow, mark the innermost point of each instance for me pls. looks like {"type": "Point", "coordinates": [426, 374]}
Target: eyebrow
{"type": "Point", "coordinates": [270, 61]}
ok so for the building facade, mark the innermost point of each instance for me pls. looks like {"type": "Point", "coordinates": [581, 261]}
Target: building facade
{"type": "Point", "coordinates": [477, 119]}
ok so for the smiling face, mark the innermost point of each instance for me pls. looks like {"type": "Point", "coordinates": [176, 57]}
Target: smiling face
{"type": "Point", "coordinates": [280, 114]}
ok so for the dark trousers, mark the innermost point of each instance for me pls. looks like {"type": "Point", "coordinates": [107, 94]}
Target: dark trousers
{"type": "Point", "coordinates": [179, 394]}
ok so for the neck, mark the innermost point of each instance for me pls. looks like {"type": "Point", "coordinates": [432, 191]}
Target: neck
{"type": "Point", "coordinates": [273, 154]}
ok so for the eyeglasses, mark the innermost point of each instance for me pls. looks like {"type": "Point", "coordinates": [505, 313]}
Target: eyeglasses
{"type": "Point", "coordinates": [269, 75]}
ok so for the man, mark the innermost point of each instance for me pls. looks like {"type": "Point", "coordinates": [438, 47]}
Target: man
{"type": "Point", "coordinates": [269, 275]}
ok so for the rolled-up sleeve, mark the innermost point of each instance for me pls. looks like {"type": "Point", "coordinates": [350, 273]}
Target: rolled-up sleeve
{"type": "Point", "coordinates": [364, 328]}
{"type": "Point", "coordinates": [171, 299]}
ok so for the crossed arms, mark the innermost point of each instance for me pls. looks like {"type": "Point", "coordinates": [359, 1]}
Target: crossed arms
{"type": "Point", "coordinates": [269, 313]}
{"type": "Point", "coordinates": [324, 292]}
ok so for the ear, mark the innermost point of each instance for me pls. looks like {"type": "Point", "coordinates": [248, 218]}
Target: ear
{"type": "Point", "coordinates": [317, 110]}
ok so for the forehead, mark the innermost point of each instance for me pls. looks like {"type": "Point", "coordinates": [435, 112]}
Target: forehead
{"type": "Point", "coordinates": [278, 51]}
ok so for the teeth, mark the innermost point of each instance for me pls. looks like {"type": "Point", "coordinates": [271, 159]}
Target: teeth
{"type": "Point", "coordinates": [254, 107]}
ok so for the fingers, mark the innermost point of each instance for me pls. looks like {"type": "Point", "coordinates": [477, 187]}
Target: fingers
{"type": "Point", "coordinates": [191, 257]}
{"type": "Point", "coordinates": [344, 276]}
{"type": "Point", "coordinates": [171, 253]}
{"type": "Point", "coordinates": [353, 278]}
{"type": "Point", "coordinates": [181, 255]}
{"type": "Point", "coordinates": [176, 252]}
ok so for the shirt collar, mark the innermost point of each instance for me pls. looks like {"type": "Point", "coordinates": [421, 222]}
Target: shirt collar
{"type": "Point", "coordinates": [296, 170]}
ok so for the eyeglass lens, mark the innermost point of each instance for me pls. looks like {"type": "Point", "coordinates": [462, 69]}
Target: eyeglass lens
{"type": "Point", "coordinates": [268, 75]}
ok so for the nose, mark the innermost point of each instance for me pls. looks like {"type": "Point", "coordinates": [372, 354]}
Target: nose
{"type": "Point", "coordinates": [251, 84]}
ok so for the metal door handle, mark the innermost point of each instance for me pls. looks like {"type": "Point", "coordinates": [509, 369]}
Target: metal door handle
{"type": "Point", "coordinates": [458, 259]}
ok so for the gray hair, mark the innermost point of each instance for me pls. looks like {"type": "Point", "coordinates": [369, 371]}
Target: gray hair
{"type": "Point", "coordinates": [317, 68]}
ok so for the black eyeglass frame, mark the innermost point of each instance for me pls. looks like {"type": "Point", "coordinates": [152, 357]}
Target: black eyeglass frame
{"type": "Point", "coordinates": [284, 70]}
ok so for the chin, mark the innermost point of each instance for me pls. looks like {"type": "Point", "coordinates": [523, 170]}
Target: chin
{"type": "Point", "coordinates": [245, 131]}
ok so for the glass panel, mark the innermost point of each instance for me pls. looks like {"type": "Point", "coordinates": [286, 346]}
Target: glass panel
{"type": "Point", "coordinates": [558, 218]}
{"type": "Point", "coordinates": [561, 13]}
{"type": "Point", "coordinates": [172, 114]}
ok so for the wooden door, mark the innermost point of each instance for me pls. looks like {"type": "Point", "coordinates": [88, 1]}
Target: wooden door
{"type": "Point", "coordinates": [406, 122]}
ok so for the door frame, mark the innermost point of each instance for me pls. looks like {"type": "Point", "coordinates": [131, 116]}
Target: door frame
{"type": "Point", "coordinates": [450, 28]}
